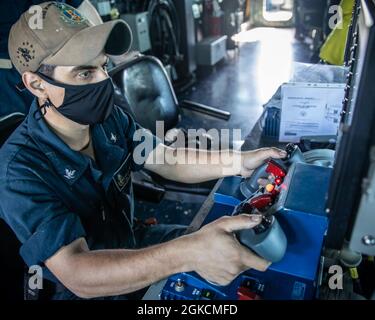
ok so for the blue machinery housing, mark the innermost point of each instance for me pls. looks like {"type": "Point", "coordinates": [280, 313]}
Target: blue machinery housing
{"type": "Point", "coordinates": [300, 210]}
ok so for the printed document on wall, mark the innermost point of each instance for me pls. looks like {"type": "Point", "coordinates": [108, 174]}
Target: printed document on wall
{"type": "Point", "coordinates": [310, 109]}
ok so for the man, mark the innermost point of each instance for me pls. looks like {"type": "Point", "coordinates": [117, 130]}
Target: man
{"type": "Point", "coordinates": [65, 172]}
{"type": "Point", "coordinates": [12, 100]}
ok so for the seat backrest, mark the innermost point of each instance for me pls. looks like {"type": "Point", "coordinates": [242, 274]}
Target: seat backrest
{"type": "Point", "coordinates": [148, 91]}
{"type": "Point", "coordinates": [8, 124]}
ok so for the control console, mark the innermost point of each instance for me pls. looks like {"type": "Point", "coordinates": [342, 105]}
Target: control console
{"type": "Point", "coordinates": [290, 235]}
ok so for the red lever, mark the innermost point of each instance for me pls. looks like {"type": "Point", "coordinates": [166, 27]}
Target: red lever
{"type": "Point", "coordinates": [262, 201]}
{"type": "Point", "coordinates": [245, 294]}
{"type": "Point", "coordinates": [275, 169]}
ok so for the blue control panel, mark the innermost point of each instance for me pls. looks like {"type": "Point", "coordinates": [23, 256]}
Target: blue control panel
{"type": "Point", "coordinates": [300, 210]}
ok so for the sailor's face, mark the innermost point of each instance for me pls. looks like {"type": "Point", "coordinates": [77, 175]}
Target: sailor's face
{"type": "Point", "coordinates": [95, 72]}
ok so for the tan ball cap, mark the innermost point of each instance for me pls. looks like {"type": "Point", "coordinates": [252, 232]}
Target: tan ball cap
{"type": "Point", "coordinates": [63, 37]}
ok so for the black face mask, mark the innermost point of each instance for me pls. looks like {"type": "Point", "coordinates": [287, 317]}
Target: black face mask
{"type": "Point", "coordinates": [85, 104]}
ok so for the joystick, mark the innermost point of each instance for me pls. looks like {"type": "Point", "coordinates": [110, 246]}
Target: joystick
{"type": "Point", "coordinates": [267, 239]}
{"type": "Point", "coordinates": [277, 168]}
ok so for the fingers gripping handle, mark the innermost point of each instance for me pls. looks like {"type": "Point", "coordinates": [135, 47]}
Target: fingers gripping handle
{"type": "Point", "coordinates": [249, 186]}
{"type": "Point", "coordinates": [270, 245]}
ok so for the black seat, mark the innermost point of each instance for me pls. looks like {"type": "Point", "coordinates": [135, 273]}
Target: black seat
{"type": "Point", "coordinates": [146, 87]}
{"type": "Point", "coordinates": [8, 124]}
{"type": "Point", "coordinates": [149, 96]}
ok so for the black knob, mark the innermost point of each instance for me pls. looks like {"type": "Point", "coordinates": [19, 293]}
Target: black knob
{"type": "Point", "coordinates": [290, 148]}
{"type": "Point", "coordinates": [264, 225]}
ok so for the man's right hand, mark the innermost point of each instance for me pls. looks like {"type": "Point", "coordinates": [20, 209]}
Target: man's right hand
{"type": "Point", "coordinates": [217, 256]}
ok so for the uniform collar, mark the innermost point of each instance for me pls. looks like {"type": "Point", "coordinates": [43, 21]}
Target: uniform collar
{"type": "Point", "coordinates": [69, 164]}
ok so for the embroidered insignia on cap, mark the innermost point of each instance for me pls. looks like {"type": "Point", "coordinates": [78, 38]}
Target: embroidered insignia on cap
{"type": "Point", "coordinates": [70, 15]}
{"type": "Point", "coordinates": [25, 53]}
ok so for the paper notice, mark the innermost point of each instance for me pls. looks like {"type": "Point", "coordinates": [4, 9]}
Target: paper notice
{"type": "Point", "coordinates": [310, 110]}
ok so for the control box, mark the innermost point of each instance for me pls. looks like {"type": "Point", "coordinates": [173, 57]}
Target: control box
{"type": "Point", "coordinates": [300, 211]}
{"type": "Point", "coordinates": [211, 50]}
{"type": "Point", "coordinates": [138, 23]}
